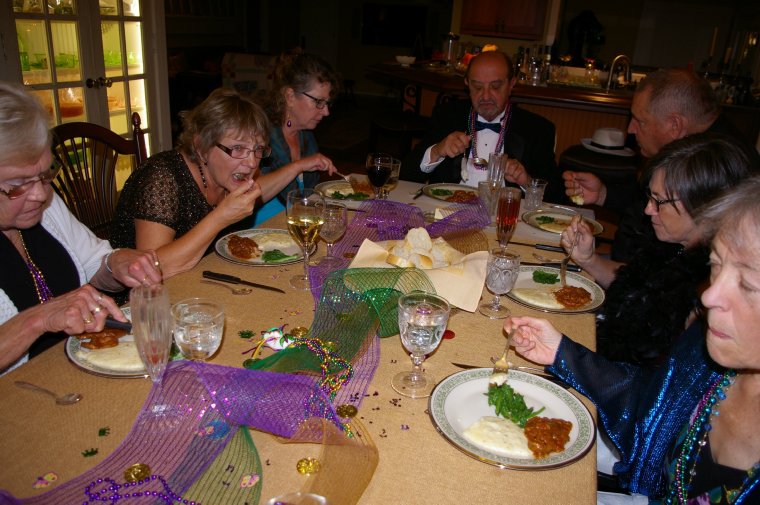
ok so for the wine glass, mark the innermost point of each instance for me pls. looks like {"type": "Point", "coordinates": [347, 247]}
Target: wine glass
{"type": "Point", "coordinates": [305, 212]}
{"type": "Point", "coordinates": [379, 168]}
{"type": "Point", "coordinates": [333, 229]}
{"type": "Point", "coordinates": [152, 327]}
{"type": "Point", "coordinates": [506, 214]}
{"type": "Point", "coordinates": [198, 327]}
{"type": "Point", "coordinates": [422, 319]}
{"type": "Point", "coordinates": [501, 274]}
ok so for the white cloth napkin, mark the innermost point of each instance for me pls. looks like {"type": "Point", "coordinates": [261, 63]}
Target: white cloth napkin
{"type": "Point", "coordinates": [461, 283]}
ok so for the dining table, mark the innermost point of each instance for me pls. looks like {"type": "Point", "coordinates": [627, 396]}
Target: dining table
{"type": "Point", "coordinates": [45, 445]}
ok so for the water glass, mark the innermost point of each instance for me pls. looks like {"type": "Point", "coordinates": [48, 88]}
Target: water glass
{"type": "Point", "coordinates": [198, 327]}
{"type": "Point", "coordinates": [392, 180]}
{"type": "Point", "coordinates": [501, 274]}
{"type": "Point", "coordinates": [490, 197]}
{"type": "Point", "coordinates": [534, 194]}
{"type": "Point", "coordinates": [508, 210]}
{"type": "Point", "coordinates": [152, 327]}
{"type": "Point", "coordinates": [422, 319]}
{"type": "Point", "coordinates": [497, 166]}
{"type": "Point", "coordinates": [333, 228]}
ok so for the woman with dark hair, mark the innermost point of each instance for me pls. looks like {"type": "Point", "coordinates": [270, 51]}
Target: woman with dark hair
{"type": "Point", "coordinates": [179, 201]}
{"type": "Point", "coordinates": [651, 299]}
{"type": "Point", "coordinates": [675, 447]}
{"type": "Point", "coordinates": [304, 86]}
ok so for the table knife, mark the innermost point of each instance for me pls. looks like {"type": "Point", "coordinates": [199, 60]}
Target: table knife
{"type": "Point", "coordinates": [237, 280]}
{"type": "Point", "coordinates": [113, 323]}
{"type": "Point", "coordinates": [418, 193]}
{"type": "Point", "coordinates": [570, 267]}
{"type": "Point", "coordinates": [543, 247]}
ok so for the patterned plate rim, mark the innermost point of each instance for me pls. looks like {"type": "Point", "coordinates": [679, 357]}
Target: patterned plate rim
{"type": "Point", "coordinates": [252, 232]}
{"type": "Point", "coordinates": [597, 293]}
{"type": "Point", "coordinates": [575, 450]}
{"type": "Point", "coordinates": [427, 190]}
{"type": "Point", "coordinates": [527, 218]}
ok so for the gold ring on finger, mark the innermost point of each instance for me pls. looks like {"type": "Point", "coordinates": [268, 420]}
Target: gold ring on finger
{"type": "Point", "coordinates": [96, 309]}
{"type": "Point", "coordinates": [87, 320]}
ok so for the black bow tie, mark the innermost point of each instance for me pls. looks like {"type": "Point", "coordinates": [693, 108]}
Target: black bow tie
{"type": "Point", "coordinates": [494, 127]}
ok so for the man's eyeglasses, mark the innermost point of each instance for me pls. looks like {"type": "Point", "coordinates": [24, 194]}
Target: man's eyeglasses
{"type": "Point", "coordinates": [240, 153]}
{"type": "Point", "coordinates": [657, 203]}
{"type": "Point", "coordinates": [320, 103]}
{"type": "Point", "coordinates": [19, 190]}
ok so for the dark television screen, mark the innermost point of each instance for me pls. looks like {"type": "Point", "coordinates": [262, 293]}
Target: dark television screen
{"type": "Point", "coordinates": [393, 24]}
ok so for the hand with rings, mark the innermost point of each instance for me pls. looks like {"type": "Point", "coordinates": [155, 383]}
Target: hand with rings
{"type": "Point", "coordinates": [80, 310]}
{"type": "Point", "coordinates": [135, 268]}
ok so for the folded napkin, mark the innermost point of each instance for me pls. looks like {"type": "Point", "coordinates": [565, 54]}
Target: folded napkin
{"type": "Point", "coordinates": [461, 283]}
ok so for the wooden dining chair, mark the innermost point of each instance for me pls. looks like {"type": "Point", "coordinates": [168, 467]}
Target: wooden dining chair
{"type": "Point", "coordinates": [88, 154]}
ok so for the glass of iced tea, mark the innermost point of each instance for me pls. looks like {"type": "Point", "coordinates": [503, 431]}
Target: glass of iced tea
{"type": "Point", "coordinates": [507, 212]}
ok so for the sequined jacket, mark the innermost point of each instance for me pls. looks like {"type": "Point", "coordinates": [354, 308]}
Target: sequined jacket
{"type": "Point", "coordinates": [641, 410]}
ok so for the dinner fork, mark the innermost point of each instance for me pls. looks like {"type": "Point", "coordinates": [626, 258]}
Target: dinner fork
{"type": "Point", "coordinates": [502, 365]}
{"type": "Point", "coordinates": [566, 259]}
{"type": "Point", "coordinates": [345, 177]}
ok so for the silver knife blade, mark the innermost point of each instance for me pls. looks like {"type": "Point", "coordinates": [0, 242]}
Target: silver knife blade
{"type": "Point", "coordinates": [552, 264]}
{"type": "Point", "coordinates": [237, 280]}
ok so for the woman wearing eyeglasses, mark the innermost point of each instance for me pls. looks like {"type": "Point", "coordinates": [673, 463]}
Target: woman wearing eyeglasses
{"type": "Point", "coordinates": [302, 91]}
{"type": "Point", "coordinates": [650, 300]}
{"type": "Point", "coordinates": [53, 267]}
{"type": "Point", "coordinates": [179, 201]}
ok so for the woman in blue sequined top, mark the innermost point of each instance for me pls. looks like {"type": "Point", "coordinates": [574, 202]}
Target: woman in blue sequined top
{"type": "Point", "coordinates": [675, 447]}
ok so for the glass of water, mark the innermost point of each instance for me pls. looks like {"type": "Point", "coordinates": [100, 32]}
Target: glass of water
{"type": "Point", "coordinates": [501, 274]}
{"type": "Point", "coordinates": [152, 327]}
{"type": "Point", "coordinates": [335, 223]}
{"type": "Point", "coordinates": [198, 327]}
{"type": "Point", "coordinates": [422, 319]}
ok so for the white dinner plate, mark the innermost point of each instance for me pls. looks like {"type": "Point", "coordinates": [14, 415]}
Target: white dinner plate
{"type": "Point", "coordinates": [460, 400]}
{"type": "Point", "coordinates": [555, 222]}
{"type": "Point", "coordinates": [268, 240]}
{"type": "Point", "coordinates": [444, 191]}
{"type": "Point", "coordinates": [341, 191]}
{"type": "Point", "coordinates": [525, 281]}
{"type": "Point", "coordinates": [76, 352]}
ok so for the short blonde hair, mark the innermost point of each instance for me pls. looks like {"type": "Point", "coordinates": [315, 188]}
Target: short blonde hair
{"type": "Point", "coordinates": [224, 110]}
{"type": "Point", "coordinates": [24, 126]}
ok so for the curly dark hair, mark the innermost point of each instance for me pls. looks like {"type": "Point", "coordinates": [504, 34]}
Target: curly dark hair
{"type": "Point", "coordinates": [298, 71]}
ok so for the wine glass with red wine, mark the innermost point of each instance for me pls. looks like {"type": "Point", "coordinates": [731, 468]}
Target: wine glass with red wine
{"type": "Point", "coordinates": [379, 167]}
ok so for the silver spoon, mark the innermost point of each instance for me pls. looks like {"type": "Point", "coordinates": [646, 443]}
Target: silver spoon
{"type": "Point", "coordinates": [235, 291]}
{"type": "Point", "coordinates": [66, 399]}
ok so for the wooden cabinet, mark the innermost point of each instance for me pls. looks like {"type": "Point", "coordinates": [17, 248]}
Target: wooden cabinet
{"type": "Point", "coordinates": [513, 19]}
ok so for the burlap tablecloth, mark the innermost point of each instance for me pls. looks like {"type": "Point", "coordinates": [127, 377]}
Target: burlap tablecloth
{"type": "Point", "coordinates": [417, 465]}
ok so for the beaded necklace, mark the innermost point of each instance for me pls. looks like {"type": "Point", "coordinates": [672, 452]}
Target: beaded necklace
{"type": "Point", "coordinates": [693, 444]}
{"type": "Point", "coordinates": [111, 492]}
{"type": "Point", "coordinates": [40, 285]}
{"type": "Point", "coordinates": [502, 131]}
{"type": "Point", "coordinates": [203, 176]}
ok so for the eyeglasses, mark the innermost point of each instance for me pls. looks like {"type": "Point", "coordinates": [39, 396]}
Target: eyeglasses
{"type": "Point", "coordinates": [19, 190]}
{"type": "Point", "coordinates": [240, 153]}
{"type": "Point", "coordinates": [657, 202]}
{"type": "Point", "coordinates": [320, 103]}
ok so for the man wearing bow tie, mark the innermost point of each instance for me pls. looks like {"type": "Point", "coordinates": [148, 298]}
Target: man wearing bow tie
{"type": "Point", "coordinates": [464, 133]}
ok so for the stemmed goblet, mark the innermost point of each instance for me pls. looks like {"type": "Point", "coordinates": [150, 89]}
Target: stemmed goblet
{"type": "Point", "coordinates": [198, 327]}
{"type": "Point", "coordinates": [501, 274]}
{"type": "Point", "coordinates": [379, 168]}
{"type": "Point", "coordinates": [305, 212]}
{"type": "Point", "coordinates": [422, 319]}
{"type": "Point", "coordinates": [152, 327]}
{"type": "Point", "coordinates": [333, 229]}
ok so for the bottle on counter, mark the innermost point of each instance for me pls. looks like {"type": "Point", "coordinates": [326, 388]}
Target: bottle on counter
{"type": "Point", "coordinates": [519, 70]}
{"type": "Point", "coordinates": [546, 70]}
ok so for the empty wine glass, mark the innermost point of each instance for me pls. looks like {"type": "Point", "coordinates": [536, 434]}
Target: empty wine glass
{"type": "Point", "coordinates": [392, 182]}
{"type": "Point", "coordinates": [332, 230]}
{"type": "Point", "coordinates": [501, 274]}
{"type": "Point", "coordinates": [305, 212]}
{"type": "Point", "coordinates": [198, 327]}
{"type": "Point", "coordinates": [152, 327]}
{"type": "Point", "coordinates": [379, 168]}
{"type": "Point", "coordinates": [422, 319]}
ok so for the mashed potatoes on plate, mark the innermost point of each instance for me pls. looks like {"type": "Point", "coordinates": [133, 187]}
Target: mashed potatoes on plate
{"type": "Point", "coordinates": [500, 436]}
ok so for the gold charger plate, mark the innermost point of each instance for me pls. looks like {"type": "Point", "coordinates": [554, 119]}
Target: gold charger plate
{"type": "Point", "coordinates": [540, 219]}
{"type": "Point", "coordinates": [459, 400]}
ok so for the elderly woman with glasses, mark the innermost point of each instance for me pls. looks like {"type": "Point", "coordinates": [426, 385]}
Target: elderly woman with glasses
{"type": "Point", "coordinates": [302, 91]}
{"type": "Point", "coordinates": [650, 300]}
{"type": "Point", "coordinates": [179, 201]}
{"type": "Point", "coordinates": [53, 266]}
